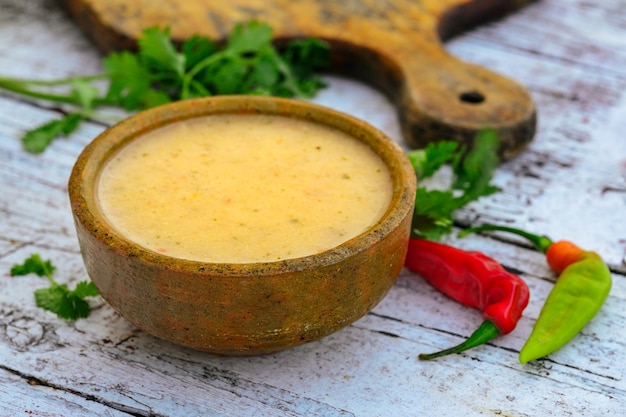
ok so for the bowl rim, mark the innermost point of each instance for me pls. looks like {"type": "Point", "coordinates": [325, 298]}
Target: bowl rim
{"type": "Point", "coordinates": [83, 179]}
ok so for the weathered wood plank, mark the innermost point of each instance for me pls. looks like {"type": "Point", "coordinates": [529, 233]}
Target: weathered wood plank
{"type": "Point", "coordinates": [26, 397]}
{"type": "Point", "coordinates": [582, 33]}
{"type": "Point", "coordinates": [38, 40]}
{"type": "Point", "coordinates": [102, 365]}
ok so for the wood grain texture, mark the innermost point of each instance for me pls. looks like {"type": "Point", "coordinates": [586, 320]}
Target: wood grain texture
{"type": "Point", "coordinates": [569, 183]}
{"type": "Point", "coordinates": [392, 45]}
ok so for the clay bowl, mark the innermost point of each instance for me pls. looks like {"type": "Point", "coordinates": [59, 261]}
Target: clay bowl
{"type": "Point", "coordinates": [250, 308]}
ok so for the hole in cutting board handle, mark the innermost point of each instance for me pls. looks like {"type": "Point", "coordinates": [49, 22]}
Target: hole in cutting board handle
{"type": "Point", "coordinates": [472, 97]}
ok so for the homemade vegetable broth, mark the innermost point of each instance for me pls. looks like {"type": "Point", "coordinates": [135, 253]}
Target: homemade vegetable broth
{"type": "Point", "coordinates": [244, 188]}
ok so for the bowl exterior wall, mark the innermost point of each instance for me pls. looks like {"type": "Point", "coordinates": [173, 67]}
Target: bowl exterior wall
{"type": "Point", "coordinates": [243, 314]}
{"type": "Point", "coordinates": [245, 309]}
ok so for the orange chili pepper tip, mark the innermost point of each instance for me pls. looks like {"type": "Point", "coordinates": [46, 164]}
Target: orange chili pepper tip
{"type": "Point", "coordinates": [558, 254]}
{"type": "Point", "coordinates": [563, 253]}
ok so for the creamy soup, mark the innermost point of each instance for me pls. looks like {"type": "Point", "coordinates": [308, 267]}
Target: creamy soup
{"type": "Point", "coordinates": [244, 188]}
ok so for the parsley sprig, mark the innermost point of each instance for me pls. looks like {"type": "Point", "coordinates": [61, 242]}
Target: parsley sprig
{"type": "Point", "coordinates": [472, 172]}
{"type": "Point", "coordinates": [57, 298]}
{"type": "Point", "coordinates": [159, 73]}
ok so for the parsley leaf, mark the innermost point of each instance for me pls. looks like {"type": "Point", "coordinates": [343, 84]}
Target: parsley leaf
{"type": "Point", "coordinates": [85, 94]}
{"type": "Point", "coordinates": [70, 305]}
{"type": "Point", "coordinates": [86, 289]}
{"type": "Point", "coordinates": [37, 140]}
{"type": "Point", "coordinates": [57, 298]}
{"type": "Point", "coordinates": [130, 82]}
{"type": "Point", "coordinates": [436, 154]}
{"type": "Point", "coordinates": [250, 64]}
{"type": "Point", "coordinates": [228, 78]}
{"type": "Point", "coordinates": [33, 265]}
{"type": "Point", "coordinates": [158, 53]}
{"type": "Point", "coordinates": [250, 38]}
{"type": "Point", "coordinates": [472, 174]}
{"type": "Point", "coordinates": [307, 57]}
{"type": "Point", "coordinates": [196, 49]}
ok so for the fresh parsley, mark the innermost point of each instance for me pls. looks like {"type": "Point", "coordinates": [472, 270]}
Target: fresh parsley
{"type": "Point", "coordinates": [37, 140]}
{"type": "Point", "coordinates": [472, 172]}
{"type": "Point", "coordinates": [159, 72]}
{"type": "Point", "coordinates": [57, 298]}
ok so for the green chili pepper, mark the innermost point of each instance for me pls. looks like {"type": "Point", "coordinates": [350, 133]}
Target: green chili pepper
{"type": "Point", "coordinates": [580, 291]}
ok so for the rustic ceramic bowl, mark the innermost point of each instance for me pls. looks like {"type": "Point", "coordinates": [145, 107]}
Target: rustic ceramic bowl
{"type": "Point", "coordinates": [241, 309]}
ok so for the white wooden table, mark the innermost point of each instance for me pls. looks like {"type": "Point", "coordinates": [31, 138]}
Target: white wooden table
{"type": "Point", "coordinates": [570, 183]}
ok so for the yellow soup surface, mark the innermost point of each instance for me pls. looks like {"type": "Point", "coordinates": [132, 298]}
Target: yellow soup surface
{"type": "Point", "coordinates": [243, 188]}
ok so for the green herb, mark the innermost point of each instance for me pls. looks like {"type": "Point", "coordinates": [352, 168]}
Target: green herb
{"type": "Point", "coordinates": [472, 172]}
{"type": "Point", "coordinates": [160, 72]}
{"type": "Point", "coordinates": [57, 298]}
{"type": "Point", "coordinates": [38, 139]}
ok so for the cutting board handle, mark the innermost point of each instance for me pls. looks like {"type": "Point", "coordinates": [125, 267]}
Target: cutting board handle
{"type": "Point", "coordinates": [439, 97]}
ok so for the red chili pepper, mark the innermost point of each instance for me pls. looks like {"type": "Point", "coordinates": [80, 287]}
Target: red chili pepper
{"type": "Point", "coordinates": [472, 279]}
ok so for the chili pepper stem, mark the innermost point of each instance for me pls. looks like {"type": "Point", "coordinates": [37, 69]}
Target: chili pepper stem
{"type": "Point", "coordinates": [486, 332]}
{"type": "Point", "coordinates": [541, 242]}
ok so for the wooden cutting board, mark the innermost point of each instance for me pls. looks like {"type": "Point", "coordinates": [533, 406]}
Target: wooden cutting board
{"type": "Point", "coordinates": [394, 45]}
